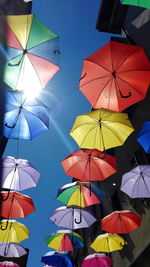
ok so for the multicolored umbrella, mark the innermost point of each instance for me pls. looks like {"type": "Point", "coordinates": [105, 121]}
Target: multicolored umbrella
{"type": "Point", "coordinates": [116, 76]}
{"type": "Point", "coordinates": [32, 54]}
{"type": "Point", "coordinates": [101, 129]}
{"type": "Point", "coordinates": [72, 218]}
{"type": "Point", "coordinates": [121, 222]}
{"type": "Point", "coordinates": [15, 205]}
{"type": "Point", "coordinates": [89, 165]}
{"type": "Point", "coordinates": [97, 260]}
{"type": "Point", "coordinates": [82, 194]}
{"type": "Point", "coordinates": [136, 183]}
{"type": "Point", "coordinates": [8, 264]}
{"type": "Point", "coordinates": [11, 249]}
{"type": "Point", "coordinates": [144, 136]}
{"type": "Point", "coordinates": [139, 3]}
{"type": "Point", "coordinates": [108, 243]}
{"type": "Point", "coordinates": [57, 259]}
{"type": "Point", "coordinates": [18, 174]}
{"type": "Point", "coordinates": [15, 231]}
{"type": "Point", "coordinates": [24, 118]}
{"type": "Point", "coordinates": [64, 240]}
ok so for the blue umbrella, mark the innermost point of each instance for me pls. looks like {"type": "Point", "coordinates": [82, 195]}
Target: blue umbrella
{"type": "Point", "coordinates": [144, 136]}
{"type": "Point", "coordinates": [58, 259]}
{"type": "Point", "coordinates": [24, 118]}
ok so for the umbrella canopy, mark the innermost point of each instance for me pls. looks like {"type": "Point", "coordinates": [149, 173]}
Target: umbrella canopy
{"type": "Point", "coordinates": [15, 232]}
{"type": "Point", "coordinates": [32, 54]}
{"type": "Point", "coordinates": [121, 222]}
{"type": "Point", "coordinates": [116, 76]}
{"type": "Point", "coordinates": [101, 129]}
{"type": "Point", "coordinates": [136, 183]}
{"type": "Point", "coordinates": [15, 205]}
{"type": "Point", "coordinates": [57, 259]}
{"type": "Point", "coordinates": [82, 194]}
{"type": "Point", "coordinates": [8, 264]}
{"type": "Point", "coordinates": [72, 218]}
{"type": "Point", "coordinates": [144, 136]}
{"type": "Point", "coordinates": [11, 249]}
{"type": "Point", "coordinates": [64, 240]}
{"type": "Point", "coordinates": [18, 174]}
{"type": "Point", "coordinates": [108, 243]}
{"type": "Point", "coordinates": [24, 118]}
{"type": "Point", "coordinates": [140, 3]}
{"type": "Point", "coordinates": [97, 260]}
{"type": "Point", "coordinates": [89, 165]}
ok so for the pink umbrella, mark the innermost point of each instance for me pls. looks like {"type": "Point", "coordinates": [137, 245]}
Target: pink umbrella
{"type": "Point", "coordinates": [8, 264]}
{"type": "Point", "coordinates": [97, 260]}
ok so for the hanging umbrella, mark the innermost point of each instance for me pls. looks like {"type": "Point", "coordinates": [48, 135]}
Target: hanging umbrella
{"type": "Point", "coordinates": [11, 249]}
{"type": "Point", "coordinates": [89, 165]}
{"type": "Point", "coordinates": [139, 3]}
{"type": "Point", "coordinates": [18, 174]}
{"type": "Point", "coordinates": [101, 129]}
{"type": "Point", "coordinates": [58, 259]}
{"type": "Point", "coordinates": [144, 136]}
{"type": "Point", "coordinates": [15, 205]}
{"type": "Point", "coordinates": [24, 118]}
{"type": "Point", "coordinates": [97, 260]}
{"type": "Point", "coordinates": [8, 264]}
{"type": "Point", "coordinates": [15, 232]}
{"type": "Point", "coordinates": [64, 240]}
{"type": "Point", "coordinates": [32, 54]}
{"type": "Point", "coordinates": [108, 243]}
{"type": "Point", "coordinates": [136, 183]}
{"type": "Point", "coordinates": [121, 222]}
{"type": "Point", "coordinates": [72, 218]}
{"type": "Point", "coordinates": [82, 194]}
{"type": "Point", "coordinates": [116, 76]}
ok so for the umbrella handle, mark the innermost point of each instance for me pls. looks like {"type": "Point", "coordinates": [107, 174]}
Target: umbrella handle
{"type": "Point", "coordinates": [80, 220]}
{"type": "Point", "coordinates": [3, 229]}
{"type": "Point", "coordinates": [83, 76]}
{"type": "Point", "coordinates": [104, 155]}
{"type": "Point", "coordinates": [125, 96]}
{"type": "Point", "coordinates": [8, 193]}
{"type": "Point", "coordinates": [11, 127]}
{"type": "Point", "coordinates": [14, 65]}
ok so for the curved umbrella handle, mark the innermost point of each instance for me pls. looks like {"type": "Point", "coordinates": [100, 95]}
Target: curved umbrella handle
{"type": "Point", "coordinates": [83, 76]}
{"type": "Point", "coordinates": [105, 154]}
{"type": "Point", "coordinates": [15, 65]}
{"type": "Point", "coordinates": [80, 220]}
{"type": "Point", "coordinates": [8, 193]}
{"type": "Point", "coordinates": [125, 96]}
{"type": "Point", "coordinates": [11, 127]}
{"type": "Point", "coordinates": [3, 229]}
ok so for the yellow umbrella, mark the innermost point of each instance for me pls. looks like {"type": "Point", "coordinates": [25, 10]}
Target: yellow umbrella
{"type": "Point", "coordinates": [101, 129]}
{"type": "Point", "coordinates": [108, 243]}
{"type": "Point", "coordinates": [15, 231]}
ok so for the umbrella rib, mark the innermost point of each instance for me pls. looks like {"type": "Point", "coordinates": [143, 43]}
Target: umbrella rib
{"type": "Point", "coordinates": [140, 93]}
{"type": "Point", "coordinates": [98, 78]}
{"type": "Point", "coordinates": [36, 72]}
{"type": "Point", "coordinates": [113, 132]}
{"type": "Point", "coordinates": [32, 176]}
{"type": "Point", "coordinates": [103, 89]}
{"type": "Point", "coordinates": [93, 128]}
{"type": "Point", "coordinates": [97, 64]}
{"type": "Point", "coordinates": [117, 66]}
{"type": "Point", "coordinates": [134, 52]}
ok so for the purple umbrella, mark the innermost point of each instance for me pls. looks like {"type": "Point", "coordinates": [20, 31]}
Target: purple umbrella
{"type": "Point", "coordinates": [8, 264]}
{"type": "Point", "coordinates": [11, 249]}
{"type": "Point", "coordinates": [136, 183]}
{"type": "Point", "coordinates": [18, 174]}
{"type": "Point", "coordinates": [72, 218]}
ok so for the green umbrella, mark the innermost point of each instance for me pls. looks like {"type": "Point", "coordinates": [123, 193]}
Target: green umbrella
{"type": "Point", "coordinates": [140, 3]}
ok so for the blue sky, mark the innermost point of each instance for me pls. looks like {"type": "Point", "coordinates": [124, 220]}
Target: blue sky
{"type": "Point", "coordinates": [75, 22]}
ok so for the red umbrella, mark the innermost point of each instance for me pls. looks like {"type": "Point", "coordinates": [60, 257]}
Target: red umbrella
{"type": "Point", "coordinates": [89, 165]}
{"type": "Point", "coordinates": [121, 222]}
{"type": "Point", "coordinates": [15, 205]}
{"type": "Point", "coordinates": [116, 76]}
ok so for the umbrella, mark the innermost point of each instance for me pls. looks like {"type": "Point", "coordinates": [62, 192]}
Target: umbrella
{"type": "Point", "coordinates": [15, 205]}
{"type": "Point", "coordinates": [121, 222]}
{"type": "Point", "coordinates": [11, 249]}
{"type": "Point", "coordinates": [8, 264]}
{"type": "Point", "coordinates": [64, 240]}
{"type": "Point", "coordinates": [24, 118]}
{"type": "Point", "coordinates": [136, 183]}
{"type": "Point", "coordinates": [108, 243]}
{"type": "Point", "coordinates": [72, 218]}
{"type": "Point", "coordinates": [81, 194]}
{"type": "Point", "coordinates": [58, 259]}
{"type": "Point", "coordinates": [97, 260]}
{"type": "Point", "coordinates": [32, 54]}
{"type": "Point", "coordinates": [15, 232]}
{"type": "Point", "coordinates": [144, 136]}
{"type": "Point", "coordinates": [89, 165]}
{"type": "Point", "coordinates": [139, 3]}
{"type": "Point", "coordinates": [116, 76]}
{"type": "Point", "coordinates": [101, 129]}
{"type": "Point", "coordinates": [18, 174]}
